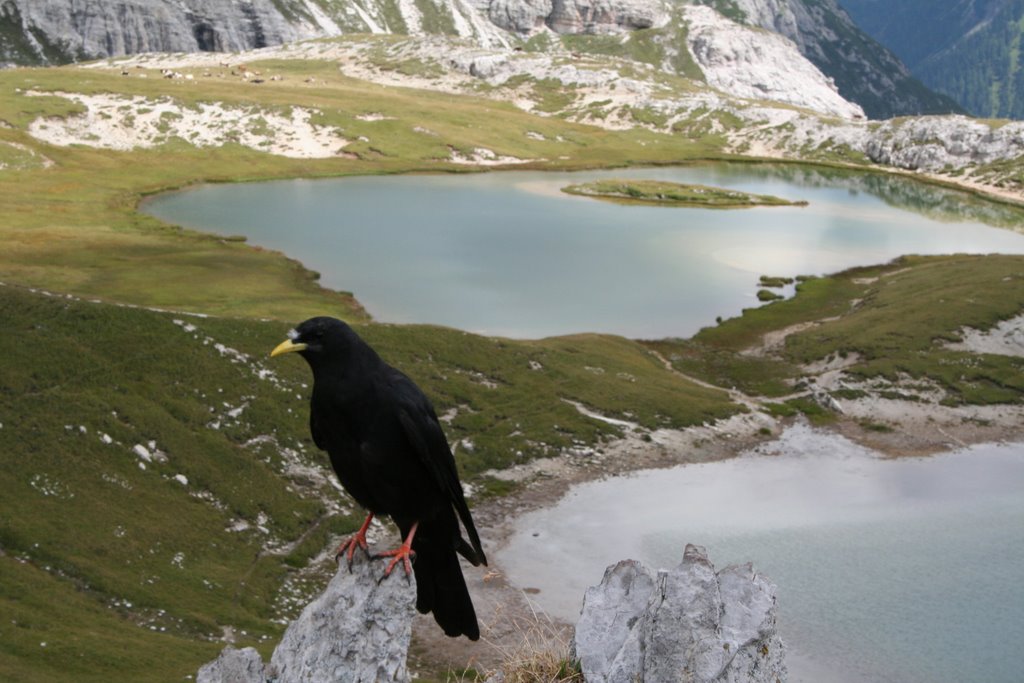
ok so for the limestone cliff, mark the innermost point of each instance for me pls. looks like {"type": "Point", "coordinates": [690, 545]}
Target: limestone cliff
{"type": "Point", "coordinates": [864, 71]}
{"type": "Point", "coordinates": [756, 64]}
{"type": "Point", "coordinates": [53, 31]}
{"type": "Point", "coordinates": [577, 16]}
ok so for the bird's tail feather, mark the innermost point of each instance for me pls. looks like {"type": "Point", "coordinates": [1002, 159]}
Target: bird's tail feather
{"type": "Point", "coordinates": [470, 553]}
{"type": "Point", "coordinates": [441, 587]}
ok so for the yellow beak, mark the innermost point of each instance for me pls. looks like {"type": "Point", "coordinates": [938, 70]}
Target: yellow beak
{"type": "Point", "coordinates": [287, 346]}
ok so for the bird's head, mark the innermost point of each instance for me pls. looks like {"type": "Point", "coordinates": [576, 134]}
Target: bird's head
{"type": "Point", "coordinates": [318, 340]}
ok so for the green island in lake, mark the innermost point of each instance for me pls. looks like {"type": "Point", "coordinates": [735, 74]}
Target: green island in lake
{"type": "Point", "coordinates": [663, 193]}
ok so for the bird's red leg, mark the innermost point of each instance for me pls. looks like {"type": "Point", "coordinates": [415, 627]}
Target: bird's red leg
{"type": "Point", "coordinates": [358, 539]}
{"type": "Point", "coordinates": [401, 554]}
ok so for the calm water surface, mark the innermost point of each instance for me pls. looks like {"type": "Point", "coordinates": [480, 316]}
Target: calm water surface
{"type": "Point", "coordinates": [908, 571]}
{"type": "Point", "coordinates": [508, 254]}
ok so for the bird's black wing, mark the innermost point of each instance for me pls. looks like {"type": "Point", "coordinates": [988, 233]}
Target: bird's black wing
{"type": "Point", "coordinates": [427, 438]}
{"type": "Point", "coordinates": [319, 438]}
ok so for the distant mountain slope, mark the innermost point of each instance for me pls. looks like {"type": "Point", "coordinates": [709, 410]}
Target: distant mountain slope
{"type": "Point", "coordinates": [918, 29]}
{"type": "Point", "coordinates": [968, 49]}
{"type": "Point", "coordinates": [60, 31]}
{"type": "Point", "coordinates": [864, 71]}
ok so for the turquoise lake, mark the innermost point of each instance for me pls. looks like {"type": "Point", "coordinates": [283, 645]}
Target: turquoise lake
{"type": "Point", "coordinates": [509, 254]}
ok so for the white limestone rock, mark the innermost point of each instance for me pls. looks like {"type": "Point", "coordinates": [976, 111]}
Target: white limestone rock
{"type": "Point", "coordinates": [234, 666]}
{"type": "Point", "coordinates": [693, 624]}
{"type": "Point", "coordinates": [577, 16]}
{"type": "Point", "coordinates": [935, 142]}
{"type": "Point", "coordinates": [868, 73]}
{"type": "Point", "coordinates": [96, 29]}
{"type": "Point", "coordinates": [611, 610]}
{"type": "Point", "coordinates": [756, 64]}
{"type": "Point", "coordinates": [358, 629]}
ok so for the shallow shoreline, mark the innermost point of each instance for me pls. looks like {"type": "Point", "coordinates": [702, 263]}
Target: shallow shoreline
{"type": "Point", "coordinates": [508, 616]}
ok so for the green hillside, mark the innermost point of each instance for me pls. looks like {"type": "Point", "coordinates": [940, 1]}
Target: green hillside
{"type": "Point", "coordinates": [889, 322]}
{"type": "Point", "coordinates": [160, 484]}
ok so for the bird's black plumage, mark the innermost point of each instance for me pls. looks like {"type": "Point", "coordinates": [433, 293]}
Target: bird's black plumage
{"type": "Point", "coordinates": [388, 449]}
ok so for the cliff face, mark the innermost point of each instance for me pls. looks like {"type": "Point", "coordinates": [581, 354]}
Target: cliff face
{"type": "Point", "coordinates": [60, 31]}
{"type": "Point", "coordinates": [756, 64]}
{"type": "Point", "coordinates": [864, 71]}
{"type": "Point", "coordinates": [577, 16]}
{"type": "Point", "coordinates": [52, 31]}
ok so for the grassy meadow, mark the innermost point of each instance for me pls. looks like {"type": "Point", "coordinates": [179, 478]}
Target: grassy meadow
{"type": "Point", "coordinates": [160, 486]}
{"type": "Point", "coordinates": [886, 322]}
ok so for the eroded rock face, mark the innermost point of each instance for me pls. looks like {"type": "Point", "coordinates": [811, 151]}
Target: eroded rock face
{"type": "Point", "coordinates": [864, 71]}
{"type": "Point", "coordinates": [577, 16]}
{"type": "Point", "coordinates": [756, 64]}
{"type": "Point", "coordinates": [935, 142]}
{"type": "Point", "coordinates": [356, 630]}
{"type": "Point", "coordinates": [58, 30]}
{"type": "Point", "coordinates": [690, 624]}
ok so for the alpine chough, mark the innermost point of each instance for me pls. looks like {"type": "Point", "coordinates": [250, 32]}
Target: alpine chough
{"type": "Point", "coordinates": [390, 453]}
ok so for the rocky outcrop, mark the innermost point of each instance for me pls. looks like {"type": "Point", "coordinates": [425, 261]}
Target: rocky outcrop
{"type": "Point", "coordinates": [690, 624]}
{"type": "Point", "coordinates": [234, 666]}
{"type": "Point", "coordinates": [925, 143]}
{"type": "Point", "coordinates": [356, 630]}
{"type": "Point", "coordinates": [934, 143]}
{"type": "Point", "coordinates": [864, 71]}
{"type": "Point", "coordinates": [755, 64]}
{"type": "Point", "coordinates": [577, 16]}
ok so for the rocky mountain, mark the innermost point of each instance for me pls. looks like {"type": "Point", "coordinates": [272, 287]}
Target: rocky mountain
{"type": "Point", "coordinates": [864, 71]}
{"type": "Point", "coordinates": [58, 31]}
{"type": "Point", "coordinates": [55, 31]}
{"type": "Point", "coordinates": [966, 49]}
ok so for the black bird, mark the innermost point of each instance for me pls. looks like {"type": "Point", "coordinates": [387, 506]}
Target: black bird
{"type": "Point", "coordinates": [390, 453]}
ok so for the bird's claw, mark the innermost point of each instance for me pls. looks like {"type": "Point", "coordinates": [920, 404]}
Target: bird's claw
{"type": "Point", "coordinates": [358, 539]}
{"type": "Point", "coordinates": [403, 554]}
{"type": "Point", "coordinates": [348, 548]}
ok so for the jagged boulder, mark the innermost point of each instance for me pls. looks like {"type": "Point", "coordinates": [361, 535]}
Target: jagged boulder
{"type": "Point", "coordinates": [690, 624]}
{"type": "Point", "coordinates": [358, 631]}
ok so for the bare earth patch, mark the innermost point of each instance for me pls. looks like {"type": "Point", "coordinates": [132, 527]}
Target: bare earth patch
{"type": "Point", "coordinates": [126, 123]}
{"type": "Point", "coordinates": [1005, 339]}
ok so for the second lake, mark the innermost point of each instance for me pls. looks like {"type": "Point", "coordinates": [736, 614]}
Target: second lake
{"type": "Point", "coordinates": [509, 254]}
